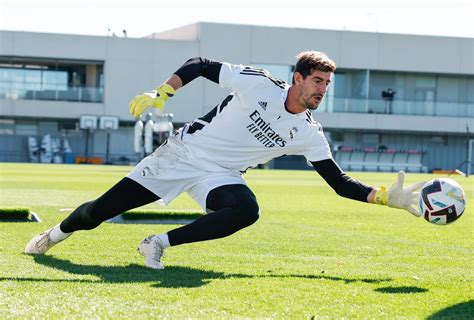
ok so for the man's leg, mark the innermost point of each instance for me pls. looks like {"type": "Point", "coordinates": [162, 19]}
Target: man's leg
{"type": "Point", "coordinates": [125, 195]}
{"type": "Point", "coordinates": [234, 207]}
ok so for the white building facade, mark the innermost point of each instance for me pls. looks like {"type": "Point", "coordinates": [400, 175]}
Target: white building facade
{"type": "Point", "coordinates": [47, 81]}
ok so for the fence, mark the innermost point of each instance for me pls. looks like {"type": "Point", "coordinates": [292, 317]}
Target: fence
{"type": "Point", "coordinates": [387, 160]}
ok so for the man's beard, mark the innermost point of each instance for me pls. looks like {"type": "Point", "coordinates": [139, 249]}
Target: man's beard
{"type": "Point", "coordinates": [310, 106]}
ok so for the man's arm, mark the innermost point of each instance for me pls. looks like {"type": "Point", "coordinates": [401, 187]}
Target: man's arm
{"type": "Point", "coordinates": [190, 70]}
{"type": "Point", "coordinates": [344, 185]}
{"type": "Point", "coordinates": [198, 67]}
{"type": "Point", "coordinates": [396, 197]}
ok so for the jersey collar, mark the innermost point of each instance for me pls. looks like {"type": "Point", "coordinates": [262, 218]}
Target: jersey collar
{"type": "Point", "coordinates": [283, 97]}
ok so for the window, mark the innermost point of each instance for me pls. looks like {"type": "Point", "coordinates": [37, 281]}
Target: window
{"type": "Point", "coordinates": [7, 126]}
{"type": "Point", "coordinates": [423, 87]}
{"type": "Point", "coordinates": [51, 79]}
{"type": "Point", "coordinates": [282, 72]}
{"type": "Point", "coordinates": [350, 84]}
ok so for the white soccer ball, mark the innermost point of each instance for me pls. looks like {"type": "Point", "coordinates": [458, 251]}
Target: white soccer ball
{"type": "Point", "coordinates": [442, 201]}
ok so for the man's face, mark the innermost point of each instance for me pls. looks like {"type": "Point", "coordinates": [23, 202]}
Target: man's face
{"type": "Point", "coordinates": [312, 88]}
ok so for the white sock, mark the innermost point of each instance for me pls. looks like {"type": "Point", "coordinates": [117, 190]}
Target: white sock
{"type": "Point", "coordinates": [164, 240]}
{"type": "Point", "coordinates": [56, 235]}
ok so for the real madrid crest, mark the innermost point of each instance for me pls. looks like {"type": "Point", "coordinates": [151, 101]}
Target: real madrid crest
{"type": "Point", "coordinates": [293, 132]}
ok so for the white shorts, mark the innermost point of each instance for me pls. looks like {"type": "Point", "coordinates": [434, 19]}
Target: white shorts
{"type": "Point", "coordinates": [170, 171]}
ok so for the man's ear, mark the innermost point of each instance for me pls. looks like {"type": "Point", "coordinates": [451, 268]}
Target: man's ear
{"type": "Point", "coordinates": [297, 77]}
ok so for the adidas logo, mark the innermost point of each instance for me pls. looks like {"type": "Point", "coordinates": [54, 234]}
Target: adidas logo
{"type": "Point", "coordinates": [263, 105]}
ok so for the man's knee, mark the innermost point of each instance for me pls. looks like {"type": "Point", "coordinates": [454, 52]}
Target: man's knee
{"type": "Point", "coordinates": [237, 197]}
{"type": "Point", "coordinates": [248, 210]}
{"type": "Point", "coordinates": [90, 215]}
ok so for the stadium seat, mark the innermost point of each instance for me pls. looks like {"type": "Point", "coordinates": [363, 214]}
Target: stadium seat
{"type": "Point", "coordinates": [388, 160]}
{"type": "Point", "coordinates": [356, 162]}
{"type": "Point", "coordinates": [414, 161]}
{"type": "Point", "coordinates": [400, 161]}
{"type": "Point", "coordinates": [344, 155]}
{"type": "Point", "coordinates": [371, 160]}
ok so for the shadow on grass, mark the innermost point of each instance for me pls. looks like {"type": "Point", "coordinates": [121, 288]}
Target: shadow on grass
{"type": "Point", "coordinates": [170, 277]}
{"type": "Point", "coordinates": [464, 310]}
{"type": "Point", "coordinates": [404, 289]}
{"type": "Point", "coordinates": [325, 277]}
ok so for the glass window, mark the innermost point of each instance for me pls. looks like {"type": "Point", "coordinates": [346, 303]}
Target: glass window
{"type": "Point", "coordinates": [282, 72]}
{"type": "Point", "coordinates": [448, 89]}
{"type": "Point", "coordinates": [350, 84]}
{"type": "Point", "coordinates": [381, 81]}
{"type": "Point", "coordinates": [26, 129]}
{"type": "Point", "coordinates": [32, 81]}
{"type": "Point", "coordinates": [61, 80]}
{"type": "Point", "coordinates": [4, 74]}
{"type": "Point", "coordinates": [51, 79]}
{"type": "Point", "coordinates": [339, 85]}
{"type": "Point", "coordinates": [17, 75]}
{"type": "Point", "coordinates": [425, 82]}
{"type": "Point", "coordinates": [370, 139]}
{"type": "Point", "coordinates": [33, 76]}
{"type": "Point", "coordinates": [7, 126]}
{"type": "Point", "coordinates": [466, 90]}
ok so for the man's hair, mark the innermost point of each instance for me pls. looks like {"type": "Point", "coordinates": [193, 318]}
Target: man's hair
{"type": "Point", "coordinates": [310, 61]}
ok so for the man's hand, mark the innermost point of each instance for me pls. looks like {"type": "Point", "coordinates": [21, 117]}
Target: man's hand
{"type": "Point", "coordinates": [155, 98]}
{"type": "Point", "coordinates": [399, 197]}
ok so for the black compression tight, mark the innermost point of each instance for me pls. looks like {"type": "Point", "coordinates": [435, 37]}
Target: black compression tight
{"type": "Point", "coordinates": [125, 195]}
{"type": "Point", "coordinates": [235, 207]}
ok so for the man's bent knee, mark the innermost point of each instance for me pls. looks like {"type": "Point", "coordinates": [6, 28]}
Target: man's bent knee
{"type": "Point", "coordinates": [237, 197]}
{"type": "Point", "coordinates": [249, 211]}
{"type": "Point", "coordinates": [91, 216]}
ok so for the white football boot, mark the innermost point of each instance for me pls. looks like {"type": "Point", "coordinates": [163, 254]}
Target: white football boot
{"type": "Point", "coordinates": [152, 249]}
{"type": "Point", "coordinates": [40, 243]}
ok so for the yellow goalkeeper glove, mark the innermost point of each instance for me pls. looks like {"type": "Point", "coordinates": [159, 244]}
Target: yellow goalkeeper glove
{"type": "Point", "coordinates": [154, 98]}
{"type": "Point", "coordinates": [399, 197]}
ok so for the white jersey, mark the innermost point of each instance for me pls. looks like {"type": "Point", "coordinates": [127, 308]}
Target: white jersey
{"type": "Point", "coordinates": [251, 125]}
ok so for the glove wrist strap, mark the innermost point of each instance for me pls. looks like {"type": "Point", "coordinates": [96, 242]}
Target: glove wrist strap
{"type": "Point", "coordinates": [381, 196]}
{"type": "Point", "coordinates": [167, 90]}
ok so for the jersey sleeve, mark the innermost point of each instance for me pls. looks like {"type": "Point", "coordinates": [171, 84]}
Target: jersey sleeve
{"type": "Point", "coordinates": [197, 67]}
{"type": "Point", "coordinates": [240, 78]}
{"type": "Point", "coordinates": [317, 147]}
{"type": "Point", "coordinates": [343, 184]}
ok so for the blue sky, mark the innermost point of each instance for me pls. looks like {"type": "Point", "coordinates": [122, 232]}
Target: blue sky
{"type": "Point", "coordinates": [143, 17]}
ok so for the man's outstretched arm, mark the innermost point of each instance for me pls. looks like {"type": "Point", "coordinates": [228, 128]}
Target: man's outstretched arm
{"type": "Point", "coordinates": [344, 185]}
{"type": "Point", "coordinates": [190, 70]}
{"type": "Point", "coordinates": [396, 197]}
{"type": "Point", "coordinates": [197, 67]}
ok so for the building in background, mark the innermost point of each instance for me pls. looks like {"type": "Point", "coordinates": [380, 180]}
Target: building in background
{"type": "Point", "coordinates": [394, 99]}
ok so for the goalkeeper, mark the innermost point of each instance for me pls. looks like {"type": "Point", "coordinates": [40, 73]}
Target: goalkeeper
{"type": "Point", "coordinates": [260, 119]}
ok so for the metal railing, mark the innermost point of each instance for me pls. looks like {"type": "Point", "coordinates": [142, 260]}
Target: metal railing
{"type": "Point", "coordinates": [69, 93]}
{"type": "Point", "coordinates": [400, 107]}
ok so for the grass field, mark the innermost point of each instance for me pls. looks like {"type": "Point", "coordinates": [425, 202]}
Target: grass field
{"type": "Point", "coordinates": [312, 254]}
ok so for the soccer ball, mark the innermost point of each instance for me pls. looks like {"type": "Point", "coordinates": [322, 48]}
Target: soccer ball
{"type": "Point", "coordinates": [442, 201]}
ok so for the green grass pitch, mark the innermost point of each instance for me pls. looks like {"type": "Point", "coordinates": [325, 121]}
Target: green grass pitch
{"type": "Point", "coordinates": [312, 254]}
